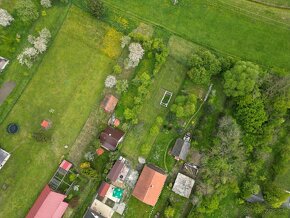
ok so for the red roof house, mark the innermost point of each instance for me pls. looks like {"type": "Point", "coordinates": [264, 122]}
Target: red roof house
{"type": "Point", "coordinates": [109, 103]}
{"type": "Point", "coordinates": [103, 189]}
{"type": "Point", "coordinates": [65, 165]}
{"type": "Point", "coordinates": [111, 137]}
{"type": "Point", "coordinates": [149, 185]}
{"type": "Point", "coordinates": [49, 204]}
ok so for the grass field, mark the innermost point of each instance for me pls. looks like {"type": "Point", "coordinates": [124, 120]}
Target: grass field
{"type": "Point", "coordinates": [70, 81]}
{"type": "Point", "coordinates": [217, 26]}
{"type": "Point", "coordinates": [277, 2]}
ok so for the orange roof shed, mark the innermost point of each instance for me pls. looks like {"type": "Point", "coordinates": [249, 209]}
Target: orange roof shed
{"type": "Point", "coordinates": [109, 103]}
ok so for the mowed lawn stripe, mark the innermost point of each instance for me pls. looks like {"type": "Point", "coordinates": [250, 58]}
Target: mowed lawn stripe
{"type": "Point", "coordinates": [69, 80]}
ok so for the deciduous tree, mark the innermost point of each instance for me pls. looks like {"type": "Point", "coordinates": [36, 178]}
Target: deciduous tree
{"type": "Point", "coordinates": [241, 79]}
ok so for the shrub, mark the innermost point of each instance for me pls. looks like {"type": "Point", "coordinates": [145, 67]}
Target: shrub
{"type": "Point", "coordinates": [97, 8]}
{"type": "Point", "coordinates": [110, 81]}
{"type": "Point", "coordinates": [5, 18]}
{"type": "Point", "coordinates": [136, 54]}
{"type": "Point", "coordinates": [169, 212]}
{"type": "Point", "coordinates": [45, 3]}
{"type": "Point", "coordinates": [85, 165]}
{"type": "Point", "coordinates": [184, 106]}
{"type": "Point", "coordinates": [111, 43]}
{"type": "Point", "coordinates": [72, 177]}
{"type": "Point", "coordinates": [122, 86]}
{"type": "Point", "coordinates": [125, 40]}
{"type": "Point", "coordinates": [26, 10]}
{"type": "Point", "coordinates": [42, 136]}
{"type": "Point", "coordinates": [117, 69]}
{"type": "Point", "coordinates": [274, 195]}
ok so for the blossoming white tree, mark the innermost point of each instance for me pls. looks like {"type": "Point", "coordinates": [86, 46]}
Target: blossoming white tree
{"type": "Point", "coordinates": [5, 18]}
{"type": "Point", "coordinates": [45, 3]}
{"type": "Point", "coordinates": [27, 56]}
{"type": "Point", "coordinates": [136, 54]}
{"type": "Point", "coordinates": [110, 81]}
{"type": "Point", "coordinates": [125, 40]}
{"type": "Point", "coordinates": [39, 46]}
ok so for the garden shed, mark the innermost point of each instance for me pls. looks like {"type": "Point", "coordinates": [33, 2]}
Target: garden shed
{"type": "Point", "coordinates": [4, 156]}
{"type": "Point", "coordinates": [109, 103]}
{"type": "Point", "coordinates": [181, 148]}
{"type": "Point", "coordinates": [183, 185]}
{"type": "Point", "coordinates": [3, 63]}
{"type": "Point", "coordinates": [111, 137]}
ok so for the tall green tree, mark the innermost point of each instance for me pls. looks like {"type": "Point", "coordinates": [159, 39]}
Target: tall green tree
{"type": "Point", "coordinates": [241, 79]}
{"type": "Point", "coordinates": [97, 8]}
{"type": "Point", "coordinates": [203, 64]}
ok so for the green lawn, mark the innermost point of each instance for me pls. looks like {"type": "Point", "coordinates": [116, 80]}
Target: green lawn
{"type": "Point", "coordinates": [277, 2]}
{"type": "Point", "coordinates": [136, 207]}
{"type": "Point", "coordinates": [215, 25]}
{"type": "Point", "coordinates": [70, 80]}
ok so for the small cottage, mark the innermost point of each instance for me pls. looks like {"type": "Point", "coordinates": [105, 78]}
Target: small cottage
{"type": "Point", "coordinates": [111, 137]}
{"type": "Point", "coordinates": [181, 148]}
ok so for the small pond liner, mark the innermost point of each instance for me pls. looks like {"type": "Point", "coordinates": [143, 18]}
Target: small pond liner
{"type": "Point", "coordinates": [12, 128]}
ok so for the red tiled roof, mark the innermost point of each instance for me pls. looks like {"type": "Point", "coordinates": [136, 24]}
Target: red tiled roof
{"type": "Point", "coordinates": [49, 204]}
{"type": "Point", "coordinates": [103, 189]}
{"type": "Point", "coordinates": [65, 165]}
{"type": "Point", "coordinates": [109, 103]}
{"type": "Point", "coordinates": [149, 185]}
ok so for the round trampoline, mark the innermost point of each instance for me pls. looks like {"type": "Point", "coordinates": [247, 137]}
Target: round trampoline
{"type": "Point", "coordinates": [12, 128]}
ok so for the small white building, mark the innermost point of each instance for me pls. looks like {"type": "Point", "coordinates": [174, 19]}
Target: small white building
{"type": "Point", "coordinates": [4, 156]}
{"type": "Point", "coordinates": [183, 185]}
{"type": "Point", "coordinates": [3, 63]}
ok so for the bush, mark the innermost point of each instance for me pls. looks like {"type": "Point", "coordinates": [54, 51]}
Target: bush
{"type": "Point", "coordinates": [42, 136]}
{"type": "Point", "coordinates": [117, 69]}
{"type": "Point", "coordinates": [26, 10]}
{"type": "Point", "coordinates": [97, 8]}
{"type": "Point", "coordinates": [72, 177]}
{"type": "Point", "coordinates": [5, 18]}
{"type": "Point", "coordinates": [274, 195]}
